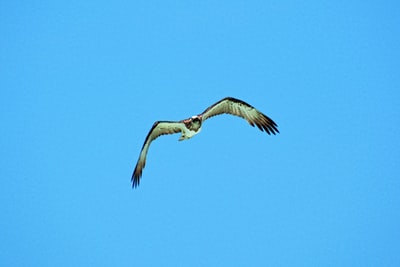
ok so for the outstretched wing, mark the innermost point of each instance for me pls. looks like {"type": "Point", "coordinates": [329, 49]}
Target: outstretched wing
{"type": "Point", "coordinates": [159, 128]}
{"type": "Point", "coordinates": [237, 107]}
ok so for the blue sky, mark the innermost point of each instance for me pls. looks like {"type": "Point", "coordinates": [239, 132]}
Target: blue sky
{"type": "Point", "coordinates": [82, 82]}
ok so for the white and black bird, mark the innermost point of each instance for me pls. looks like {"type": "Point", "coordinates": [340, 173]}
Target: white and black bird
{"type": "Point", "coordinates": [192, 126]}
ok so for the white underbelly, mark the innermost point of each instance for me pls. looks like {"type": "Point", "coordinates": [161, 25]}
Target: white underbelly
{"type": "Point", "coordinates": [190, 133]}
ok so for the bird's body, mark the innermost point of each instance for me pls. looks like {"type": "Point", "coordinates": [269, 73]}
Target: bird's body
{"type": "Point", "coordinates": [192, 126]}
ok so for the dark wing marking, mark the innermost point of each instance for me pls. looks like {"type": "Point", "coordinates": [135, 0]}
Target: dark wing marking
{"type": "Point", "coordinates": [230, 105]}
{"type": "Point", "coordinates": [159, 128]}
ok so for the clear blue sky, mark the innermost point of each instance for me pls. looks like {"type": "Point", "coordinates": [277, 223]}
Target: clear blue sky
{"type": "Point", "coordinates": [82, 82]}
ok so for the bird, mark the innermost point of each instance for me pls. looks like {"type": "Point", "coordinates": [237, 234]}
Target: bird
{"type": "Point", "coordinates": [193, 125]}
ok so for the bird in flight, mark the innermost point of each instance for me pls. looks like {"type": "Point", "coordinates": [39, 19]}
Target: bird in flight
{"type": "Point", "coordinates": [192, 126]}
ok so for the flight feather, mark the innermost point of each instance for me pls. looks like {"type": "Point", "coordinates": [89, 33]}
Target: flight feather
{"type": "Point", "coordinates": [237, 107]}
{"type": "Point", "coordinates": [159, 128]}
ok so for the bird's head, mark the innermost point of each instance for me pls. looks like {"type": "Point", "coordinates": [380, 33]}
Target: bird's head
{"type": "Point", "coordinates": [195, 122]}
{"type": "Point", "coordinates": [196, 119]}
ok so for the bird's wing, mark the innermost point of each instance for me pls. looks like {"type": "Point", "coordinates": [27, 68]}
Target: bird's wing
{"type": "Point", "coordinates": [159, 128]}
{"type": "Point", "coordinates": [237, 107]}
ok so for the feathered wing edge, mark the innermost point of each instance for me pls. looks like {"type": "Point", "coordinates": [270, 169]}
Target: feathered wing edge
{"type": "Point", "coordinates": [237, 107]}
{"type": "Point", "coordinates": [159, 128]}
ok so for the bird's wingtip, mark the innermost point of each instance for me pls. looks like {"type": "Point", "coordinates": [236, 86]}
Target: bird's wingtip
{"type": "Point", "coordinates": [135, 179]}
